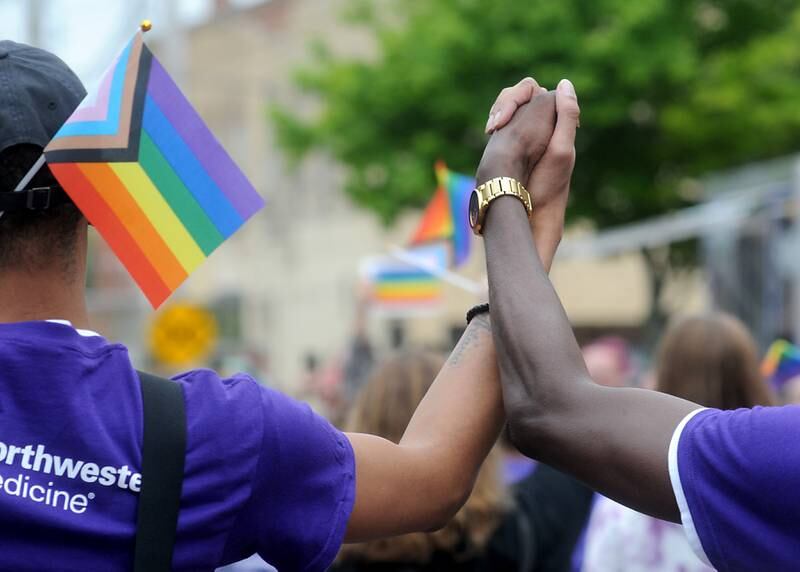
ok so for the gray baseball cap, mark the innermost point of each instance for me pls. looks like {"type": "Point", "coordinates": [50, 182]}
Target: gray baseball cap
{"type": "Point", "coordinates": [38, 93]}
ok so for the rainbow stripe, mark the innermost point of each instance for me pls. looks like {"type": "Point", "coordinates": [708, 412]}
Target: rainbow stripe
{"type": "Point", "coordinates": [781, 363]}
{"type": "Point", "coordinates": [447, 215]}
{"type": "Point", "coordinates": [143, 167]}
{"type": "Point", "coordinates": [399, 287]}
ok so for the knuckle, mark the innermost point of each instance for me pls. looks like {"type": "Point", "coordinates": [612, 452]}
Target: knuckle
{"type": "Point", "coordinates": [562, 153]}
{"type": "Point", "coordinates": [570, 109]}
{"type": "Point", "coordinates": [504, 94]}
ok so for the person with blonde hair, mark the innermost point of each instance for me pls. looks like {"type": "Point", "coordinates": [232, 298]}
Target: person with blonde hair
{"type": "Point", "coordinates": [531, 527]}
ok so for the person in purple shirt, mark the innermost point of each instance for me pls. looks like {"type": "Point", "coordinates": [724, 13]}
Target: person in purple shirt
{"type": "Point", "coordinates": [729, 476]}
{"type": "Point", "coordinates": [263, 474]}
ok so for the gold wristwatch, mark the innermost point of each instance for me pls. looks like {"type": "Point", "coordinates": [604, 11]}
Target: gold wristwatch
{"type": "Point", "coordinates": [483, 196]}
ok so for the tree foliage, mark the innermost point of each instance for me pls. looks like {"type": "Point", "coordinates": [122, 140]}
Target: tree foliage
{"type": "Point", "coordinates": [669, 89]}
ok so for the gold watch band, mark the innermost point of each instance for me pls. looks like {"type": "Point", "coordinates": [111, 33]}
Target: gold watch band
{"type": "Point", "coordinates": [489, 191]}
{"type": "Point", "coordinates": [499, 186]}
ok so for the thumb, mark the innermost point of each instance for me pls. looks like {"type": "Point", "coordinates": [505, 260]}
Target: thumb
{"type": "Point", "coordinates": [568, 120]}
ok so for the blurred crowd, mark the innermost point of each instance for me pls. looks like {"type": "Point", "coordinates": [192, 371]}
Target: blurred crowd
{"type": "Point", "coordinates": [523, 515]}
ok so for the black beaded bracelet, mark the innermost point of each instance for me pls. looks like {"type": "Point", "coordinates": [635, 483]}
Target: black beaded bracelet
{"type": "Point", "coordinates": [475, 310]}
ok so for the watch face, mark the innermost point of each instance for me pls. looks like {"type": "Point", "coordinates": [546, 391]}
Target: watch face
{"type": "Point", "coordinates": [473, 209]}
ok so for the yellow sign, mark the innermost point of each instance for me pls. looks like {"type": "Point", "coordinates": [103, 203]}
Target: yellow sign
{"type": "Point", "coordinates": [183, 334]}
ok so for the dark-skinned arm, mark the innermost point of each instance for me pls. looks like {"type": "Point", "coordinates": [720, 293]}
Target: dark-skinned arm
{"type": "Point", "coordinates": [615, 440]}
{"type": "Point", "coordinates": [420, 483]}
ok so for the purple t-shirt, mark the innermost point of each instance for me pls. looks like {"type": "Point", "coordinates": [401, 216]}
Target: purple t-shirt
{"type": "Point", "coordinates": [736, 476]}
{"type": "Point", "coordinates": [263, 473]}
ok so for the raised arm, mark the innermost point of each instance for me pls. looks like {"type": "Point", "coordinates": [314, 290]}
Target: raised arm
{"type": "Point", "coordinates": [615, 440]}
{"type": "Point", "coordinates": [421, 482]}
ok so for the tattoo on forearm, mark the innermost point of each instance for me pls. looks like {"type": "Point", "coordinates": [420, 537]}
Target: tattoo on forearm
{"type": "Point", "coordinates": [478, 328]}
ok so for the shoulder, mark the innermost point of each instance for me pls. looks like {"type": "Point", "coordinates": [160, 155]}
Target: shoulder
{"type": "Point", "coordinates": [250, 420]}
{"type": "Point", "coordinates": [761, 439]}
{"type": "Point", "coordinates": [290, 472]}
{"type": "Point", "coordinates": [222, 411]}
{"type": "Point", "coordinates": [733, 472]}
{"type": "Point", "coordinates": [204, 386]}
{"type": "Point", "coordinates": [757, 418]}
{"type": "Point", "coordinates": [304, 488]}
{"type": "Point", "coordinates": [210, 379]}
{"type": "Point", "coordinates": [263, 472]}
{"type": "Point", "coordinates": [240, 401]}
{"type": "Point", "coordinates": [224, 434]}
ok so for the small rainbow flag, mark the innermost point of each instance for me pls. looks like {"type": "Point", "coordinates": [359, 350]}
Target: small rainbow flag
{"type": "Point", "coordinates": [447, 215]}
{"type": "Point", "coordinates": [147, 173]}
{"type": "Point", "coordinates": [781, 363]}
{"type": "Point", "coordinates": [399, 287]}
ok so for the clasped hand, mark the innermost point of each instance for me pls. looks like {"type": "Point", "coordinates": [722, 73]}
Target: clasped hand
{"type": "Point", "coordinates": [533, 140]}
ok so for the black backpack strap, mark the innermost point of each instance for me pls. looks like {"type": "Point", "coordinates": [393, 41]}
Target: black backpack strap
{"type": "Point", "coordinates": [163, 453]}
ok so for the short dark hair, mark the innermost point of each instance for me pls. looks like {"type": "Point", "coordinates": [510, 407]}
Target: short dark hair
{"type": "Point", "coordinates": [33, 239]}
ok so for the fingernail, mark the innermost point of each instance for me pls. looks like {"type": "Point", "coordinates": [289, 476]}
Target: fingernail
{"type": "Point", "coordinates": [565, 86]}
{"type": "Point", "coordinates": [493, 120]}
{"type": "Point", "coordinates": [489, 123]}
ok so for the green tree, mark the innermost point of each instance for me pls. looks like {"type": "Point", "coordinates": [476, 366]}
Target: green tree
{"type": "Point", "coordinates": [669, 89]}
